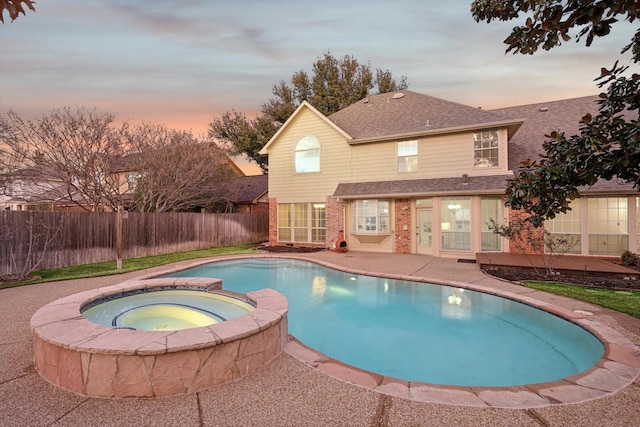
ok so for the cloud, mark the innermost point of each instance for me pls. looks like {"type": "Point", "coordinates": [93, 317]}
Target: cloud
{"type": "Point", "coordinates": [183, 62]}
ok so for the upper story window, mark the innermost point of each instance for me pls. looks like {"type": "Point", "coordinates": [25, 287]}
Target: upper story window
{"type": "Point", "coordinates": [99, 178]}
{"type": "Point", "coordinates": [307, 154]}
{"type": "Point", "coordinates": [132, 178]}
{"type": "Point", "coordinates": [485, 148]}
{"type": "Point", "coordinates": [407, 156]}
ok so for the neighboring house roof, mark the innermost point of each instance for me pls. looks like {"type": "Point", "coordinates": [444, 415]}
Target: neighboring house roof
{"type": "Point", "coordinates": [250, 188]}
{"type": "Point", "coordinates": [410, 114]}
{"type": "Point", "coordinates": [234, 167]}
{"type": "Point", "coordinates": [541, 119]}
{"type": "Point", "coordinates": [131, 162]}
{"type": "Point", "coordinates": [30, 191]}
{"type": "Point", "coordinates": [494, 184]}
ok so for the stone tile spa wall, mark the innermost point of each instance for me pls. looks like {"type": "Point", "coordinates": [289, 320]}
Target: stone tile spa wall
{"type": "Point", "coordinates": [76, 354]}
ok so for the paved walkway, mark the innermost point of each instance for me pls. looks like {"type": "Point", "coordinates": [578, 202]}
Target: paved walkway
{"type": "Point", "coordinates": [288, 391]}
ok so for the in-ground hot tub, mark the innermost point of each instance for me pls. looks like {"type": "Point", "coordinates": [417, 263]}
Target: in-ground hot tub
{"type": "Point", "coordinates": [190, 345]}
{"type": "Point", "coordinates": [166, 308]}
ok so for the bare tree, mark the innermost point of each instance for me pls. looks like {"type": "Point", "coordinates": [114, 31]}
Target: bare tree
{"type": "Point", "coordinates": [32, 250]}
{"type": "Point", "coordinates": [531, 241]}
{"type": "Point", "coordinates": [176, 171]}
{"type": "Point", "coordinates": [66, 156]}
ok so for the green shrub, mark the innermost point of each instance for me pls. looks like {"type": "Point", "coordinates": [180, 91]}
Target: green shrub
{"type": "Point", "coordinates": [630, 259]}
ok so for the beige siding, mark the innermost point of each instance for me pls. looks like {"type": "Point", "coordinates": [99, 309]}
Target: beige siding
{"type": "Point", "coordinates": [438, 156]}
{"type": "Point", "coordinates": [452, 155]}
{"type": "Point", "coordinates": [446, 155]}
{"type": "Point", "coordinates": [386, 246]}
{"type": "Point", "coordinates": [289, 186]}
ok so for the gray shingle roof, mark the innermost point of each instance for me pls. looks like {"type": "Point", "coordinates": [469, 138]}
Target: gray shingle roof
{"type": "Point", "coordinates": [250, 188]}
{"type": "Point", "coordinates": [405, 112]}
{"type": "Point", "coordinates": [494, 184]}
{"type": "Point", "coordinates": [545, 117]}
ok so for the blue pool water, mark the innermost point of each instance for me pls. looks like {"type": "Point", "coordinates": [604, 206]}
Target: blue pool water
{"type": "Point", "coordinates": [415, 331]}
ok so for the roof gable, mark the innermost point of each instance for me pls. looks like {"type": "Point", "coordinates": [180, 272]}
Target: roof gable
{"type": "Point", "coordinates": [304, 106]}
{"type": "Point", "coordinates": [407, 113]}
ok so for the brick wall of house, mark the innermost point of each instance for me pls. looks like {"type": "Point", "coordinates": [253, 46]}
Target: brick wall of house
{"type": "Point", "coordinates": [260, 208]}
{"type": "Point", "coordinates": [402, 226]}
{"type": "Point", "coordinates": [334, 219]}
{"type": "Point", "coordinates": [519, 215]}
{"type": "Point", "coordinates": [256, 208]}
{"type": "Point", "coordinates": [273, 221]}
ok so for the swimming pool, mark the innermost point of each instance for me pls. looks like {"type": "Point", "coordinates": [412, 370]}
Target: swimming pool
{"type": "Point", "coordinates": [415, 331]}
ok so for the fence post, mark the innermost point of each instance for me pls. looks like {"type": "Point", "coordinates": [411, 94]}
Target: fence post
{"type": "Point", "coordinates": [119, 238]}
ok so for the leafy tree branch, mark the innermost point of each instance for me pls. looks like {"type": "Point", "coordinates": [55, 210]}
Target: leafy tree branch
{"type": "Point", "coordinates": [334, 84]}
{"type": "Point", "coordinates": [608, 145]}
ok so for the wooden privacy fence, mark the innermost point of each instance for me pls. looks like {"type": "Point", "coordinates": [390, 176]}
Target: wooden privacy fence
{"type": "Point", "coordinates": [59, 239]}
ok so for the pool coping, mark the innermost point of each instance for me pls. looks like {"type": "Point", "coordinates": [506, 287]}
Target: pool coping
{"type": "Point", "coordinates": [616, 370]}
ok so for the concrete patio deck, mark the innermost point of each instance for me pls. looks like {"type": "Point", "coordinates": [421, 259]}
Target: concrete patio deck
{"type": "Point", "coordinates": [289, 391]}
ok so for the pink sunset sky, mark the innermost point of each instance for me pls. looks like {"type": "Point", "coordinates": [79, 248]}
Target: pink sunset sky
{"type": "Point", "coordinates": [182, 63]}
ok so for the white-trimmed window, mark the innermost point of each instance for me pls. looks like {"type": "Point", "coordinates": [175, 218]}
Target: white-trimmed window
{"type": "Point", "coordinates": [567, 229]}
{"type": "Point", "coordinates": [491, 210]}
{"type": "Point", "coordinates": [485, 149]}
{"type": "Point", "coordinates": [370, 216]}
{"type": "Point", "coordinates": [285, 221]}
{"type": "Point", "coordinates": [608, 225]}
{"type": "Point", "coordinates": [318, 222]}
{"type": "Point", "coordinates": [132, 178]}
{"type": "Point", "coordinates": [307, 154]}
{"type": "Point", "coordinates": [407, 156]}
{"type": "Point", "coordinates": [302, 222]}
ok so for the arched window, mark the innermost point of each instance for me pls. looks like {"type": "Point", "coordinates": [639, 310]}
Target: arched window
{"type": "Point", "coordinates": [307, 154]}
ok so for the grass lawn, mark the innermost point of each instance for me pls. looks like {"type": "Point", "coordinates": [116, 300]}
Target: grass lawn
{"type": "Point", "coordinates": [627, 302]}
{"type": "Point", "coordinates": [109, 267]}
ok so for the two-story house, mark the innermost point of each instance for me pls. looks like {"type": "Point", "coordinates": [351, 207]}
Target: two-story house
{"type": "Point", "coordinates": [409, 173]}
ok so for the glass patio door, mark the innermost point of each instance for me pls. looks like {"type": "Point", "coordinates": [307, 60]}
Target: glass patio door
{"type": "Point", "coordinates": [425, 231]}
